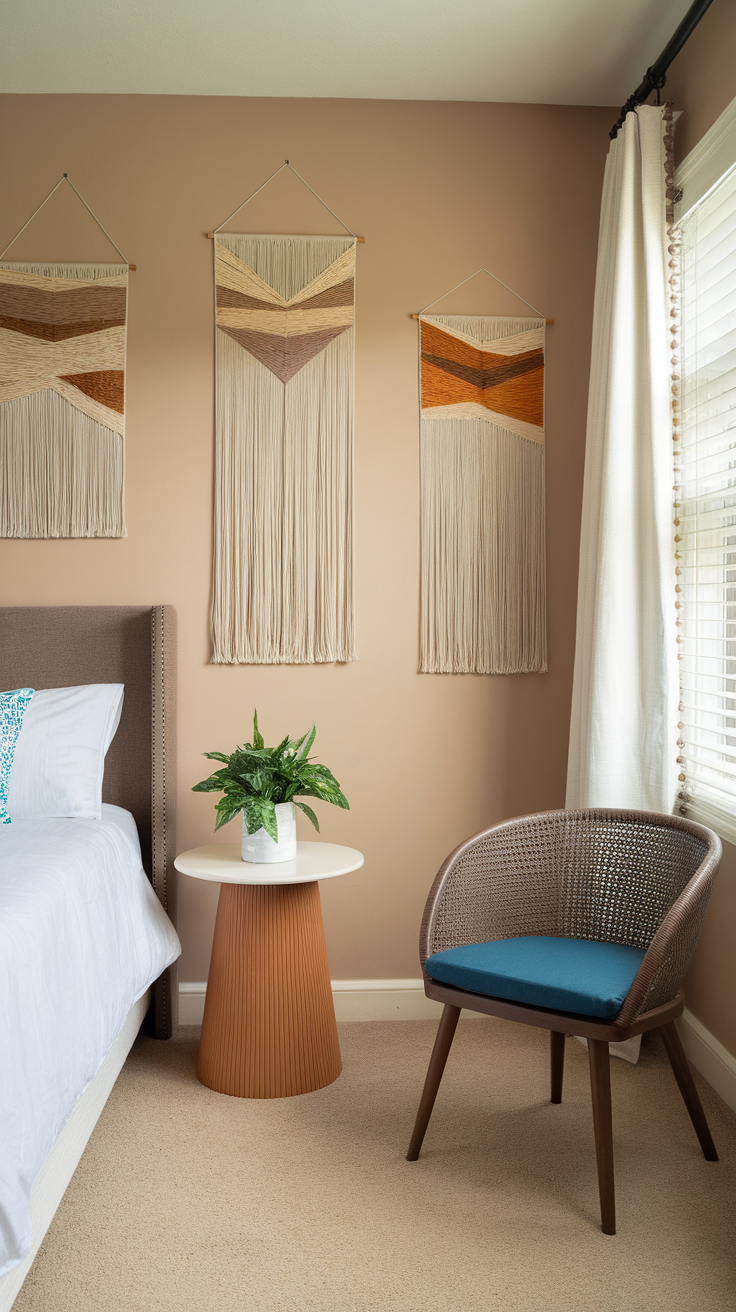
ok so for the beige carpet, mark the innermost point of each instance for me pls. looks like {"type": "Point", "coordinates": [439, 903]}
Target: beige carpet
{"type": "Point", "coordinates": [190, 1201]}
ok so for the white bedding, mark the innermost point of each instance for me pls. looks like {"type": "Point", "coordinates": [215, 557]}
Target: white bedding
{"type": "Point", "coordinates": [82, 936]}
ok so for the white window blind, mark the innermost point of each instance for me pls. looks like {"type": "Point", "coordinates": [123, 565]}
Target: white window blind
{"type": "Point", "coordinates": [707, 510]}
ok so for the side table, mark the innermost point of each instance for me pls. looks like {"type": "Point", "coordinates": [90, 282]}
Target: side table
{"type": "Point", "coordinates": [269, 1026]}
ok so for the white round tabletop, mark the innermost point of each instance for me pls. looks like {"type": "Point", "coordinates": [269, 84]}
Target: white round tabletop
{"type": "Point", "coordinates": [223, 864]}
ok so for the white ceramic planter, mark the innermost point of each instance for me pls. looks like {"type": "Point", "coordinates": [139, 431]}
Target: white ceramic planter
{"type": "Point", "coordinates": [260, 847]}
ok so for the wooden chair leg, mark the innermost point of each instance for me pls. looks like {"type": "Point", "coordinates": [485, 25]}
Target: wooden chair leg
{"type": "Point", "coordinates": [683, 1075]}
{"type": "Point", "coordinates": [600, 1088]}
{"type": "Point", "coordinates": [557, 1064]}
{"type": "Point", "coordinates": [440, 1052]}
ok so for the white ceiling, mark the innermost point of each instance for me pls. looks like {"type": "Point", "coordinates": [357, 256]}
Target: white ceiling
{"type": "Point", "coordinates": [566, 52]}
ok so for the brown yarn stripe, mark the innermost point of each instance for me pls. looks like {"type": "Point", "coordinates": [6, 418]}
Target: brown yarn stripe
{"type": "Point", "coordinates": [58, 332]}
{"type": "Point", "coordinates": [503, 368]}
{"type": "Point", "coordinates": [104, 385]}
{"type": "Point", "coordinates": [284, 356]}
{"type": "Point", "coordinates": [343, 293]}
{"type": "Point", "coordinates": [89, 303]}
{"type": "Point", "coordinates": [437, 342]}
{"type": "Point", "coordinates": [519, 398]}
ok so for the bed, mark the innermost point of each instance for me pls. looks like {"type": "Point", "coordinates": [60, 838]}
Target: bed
{"type": "Point", "coordinates": [115, 923]}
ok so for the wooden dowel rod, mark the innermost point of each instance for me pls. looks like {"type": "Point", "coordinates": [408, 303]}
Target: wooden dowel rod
{"type": "Point", "coordinates": [416, 316]}
{"type": "Point", "coordinates": [132, 267]}
{"type": "Point", "coordinates": [211, 236]}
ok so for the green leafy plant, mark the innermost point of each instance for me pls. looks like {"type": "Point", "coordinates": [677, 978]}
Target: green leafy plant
{"type": "Point", "coordinates": [255, 778]}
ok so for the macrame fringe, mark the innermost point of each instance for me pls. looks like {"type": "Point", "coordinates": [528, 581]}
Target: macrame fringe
{"type": "Point", "coordinates": [287, 263]}
{"type": "Point", "coordinates": [483, 548]}
{"type": "Point", "coordinates": [62, 471]}
{"type": "Point", "coordinates": [283, 565]}
{"type": "Point", "coordinates": [82, 272]}
{"type": "Point", "coordinates": [485, 327]}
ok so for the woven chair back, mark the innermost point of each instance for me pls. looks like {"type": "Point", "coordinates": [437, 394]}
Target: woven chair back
{"type": "Point", "coordinates": [605, 875]}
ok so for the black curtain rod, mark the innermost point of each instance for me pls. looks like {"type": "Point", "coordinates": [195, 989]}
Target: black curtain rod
{"type": "Point", "coordinates": [655, 78]}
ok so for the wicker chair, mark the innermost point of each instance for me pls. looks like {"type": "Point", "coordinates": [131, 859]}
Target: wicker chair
{"type": "Point", "coordinates": [626, 877]}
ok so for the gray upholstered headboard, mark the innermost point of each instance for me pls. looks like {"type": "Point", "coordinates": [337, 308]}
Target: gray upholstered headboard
{"type": "Point", "coordinates": [60, 646]}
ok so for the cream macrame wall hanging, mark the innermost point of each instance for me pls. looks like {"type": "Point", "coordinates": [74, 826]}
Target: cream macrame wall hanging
{"type": "Point", "coordinates": [482, 497]}
{"type": "Point", "coordinates": [283, 566]}
{"type": "Point", "coordinates": [62, 396]}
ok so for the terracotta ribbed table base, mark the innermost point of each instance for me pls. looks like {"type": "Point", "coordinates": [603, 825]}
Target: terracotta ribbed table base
{"type": "Point", "coordinates": [269, 1022]}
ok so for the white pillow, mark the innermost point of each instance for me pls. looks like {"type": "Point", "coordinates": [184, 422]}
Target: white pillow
{"type": "Point", "coordinates": [60, 753]}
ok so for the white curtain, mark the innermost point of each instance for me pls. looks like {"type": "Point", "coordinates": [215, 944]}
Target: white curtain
{"type": "Point", "coordinates": [624, 709]}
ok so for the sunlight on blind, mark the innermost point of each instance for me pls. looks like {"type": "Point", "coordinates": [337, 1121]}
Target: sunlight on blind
{"type": "Point", "coordinates": [707, 510]}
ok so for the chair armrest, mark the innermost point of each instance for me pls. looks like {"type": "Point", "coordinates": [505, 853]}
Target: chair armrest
{"type": "Point", "coordinates": [665, 962]}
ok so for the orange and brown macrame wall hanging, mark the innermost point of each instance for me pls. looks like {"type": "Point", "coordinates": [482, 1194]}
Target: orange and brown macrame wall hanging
{"type": "Point", "coordinates": [283, 580]}
{"type": "Point", "coordinates": [482, 470]}
{"type": "Point", "coordinates": [62, 399]}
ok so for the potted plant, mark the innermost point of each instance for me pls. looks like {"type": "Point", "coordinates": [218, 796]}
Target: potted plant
{"type": "Point", "coordinates": [264, 783]}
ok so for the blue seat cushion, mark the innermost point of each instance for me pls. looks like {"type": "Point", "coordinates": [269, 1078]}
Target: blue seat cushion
{"type": "Point", "coordinates": [562, 974]}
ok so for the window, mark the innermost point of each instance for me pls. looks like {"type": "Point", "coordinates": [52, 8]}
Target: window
{"type": "Point", "coordinates": [706, 514]}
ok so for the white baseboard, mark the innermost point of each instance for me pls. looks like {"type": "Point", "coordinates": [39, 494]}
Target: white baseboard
{"type": "Point", "coordinates": [708, 1056]}
{"type": "Point", "coordinates": [191, 1003]}
{"type": "Point", "coordinates": [355, 999]}
{"type": "Point", "coordinates": [404, 999]}
{"type": "Point", "coordinates": [383, 999]}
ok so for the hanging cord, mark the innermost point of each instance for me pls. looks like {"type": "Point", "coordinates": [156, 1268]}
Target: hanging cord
{"type": "Point", "coordinates": [285, 165]}
{"type": "Point", "coordinates": [97, 221]}
{"type": "Point", "coordinates": [276, 172]}
{"type": "Point", "coordinates": [35, 212]}
{"type": "Point", "coordinates": [321, 201]}
{"type": "Point", "coordinates": [474, 275]}
{"type": "Point", "coordinates": [66, 176]}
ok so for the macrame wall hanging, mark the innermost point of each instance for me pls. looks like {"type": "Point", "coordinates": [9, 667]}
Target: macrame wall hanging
{"type": "Point", "coordinates": [62, 396]}
{"type": "Point", "coordinates": [283, 563]}
{"type": "Point", "coordinates": [482, 498]}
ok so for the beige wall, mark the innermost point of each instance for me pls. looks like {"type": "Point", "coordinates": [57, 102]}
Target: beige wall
{"type": "Point", "coordinates": [437, 189]}
{"type": "Point", "coordinates": [702, 82]}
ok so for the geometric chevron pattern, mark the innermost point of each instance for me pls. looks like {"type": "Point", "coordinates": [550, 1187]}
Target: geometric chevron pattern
{"type": "Point", "coordinates": [283, 334]}
{"type": "Point", "coordinates": [66, 335]}
{"type": "Point", "coordinates": [501, 381]}
{"type": "Point", "coordinates": [283, 567]}
{"type": "Point", "coordinates": [483, 599]}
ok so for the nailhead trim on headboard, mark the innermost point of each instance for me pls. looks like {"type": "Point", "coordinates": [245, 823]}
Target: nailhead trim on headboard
{"type": "Point", "coordinates": [162, 658]}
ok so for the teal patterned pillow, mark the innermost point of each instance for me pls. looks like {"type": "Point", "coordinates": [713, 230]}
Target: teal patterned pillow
{"type": "Point", "coordinates": [12, 709]}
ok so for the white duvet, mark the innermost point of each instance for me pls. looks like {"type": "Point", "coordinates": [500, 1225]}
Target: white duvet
{"type": "Point", "coordinates": [82, 936]}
